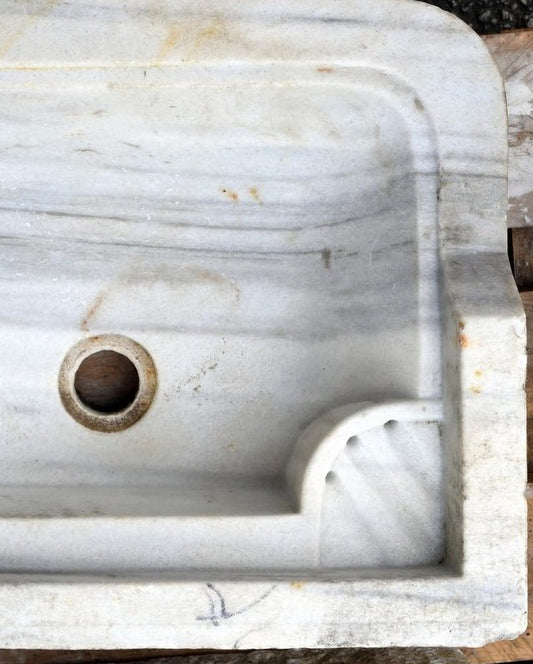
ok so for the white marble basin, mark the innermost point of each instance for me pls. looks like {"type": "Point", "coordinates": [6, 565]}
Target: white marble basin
{"type": "Point", "coordinates": [291, 220]}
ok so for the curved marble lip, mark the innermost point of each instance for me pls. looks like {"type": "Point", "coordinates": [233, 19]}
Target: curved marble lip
{"type": "Point", "coordinates": [299, 213]}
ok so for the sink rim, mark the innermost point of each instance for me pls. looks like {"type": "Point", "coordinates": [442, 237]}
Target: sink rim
{"type": "Point", "coordinates": [483, 326]}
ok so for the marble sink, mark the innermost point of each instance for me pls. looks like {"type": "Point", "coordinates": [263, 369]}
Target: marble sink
{"type": "Point", "coordinates": [284, 226]}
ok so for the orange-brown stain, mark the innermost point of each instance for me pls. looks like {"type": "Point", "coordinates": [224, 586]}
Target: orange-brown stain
{"type": "Point", "coordinates": [207, 275]}
{"type": "Point", "coordinates": [463, 341]}
{"type": "Point", "coordinates": [325, 70]}
{"type": "Point", "coordinates": [254, 193]}
{"type": "Point", "coordinates": [478, 373]}
{"type": "Point", "coordinates": [168, 45]}
{"type": "Point", "coordinates": [232, 195]}
{"type": "Point", "coordinates": [215, 29]}
{"type": "Point", "coordinates": [30, 18]}
{"type": "Point", "coordinates": [297, 584]}
{"type": "Point", "coordinates": [92, 310]}
{"type": "Point", "coordinates": [209, 33]}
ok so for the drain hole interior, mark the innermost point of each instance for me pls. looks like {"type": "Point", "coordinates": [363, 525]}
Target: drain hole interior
{"type": "Point", "coordinates": [107, 381]}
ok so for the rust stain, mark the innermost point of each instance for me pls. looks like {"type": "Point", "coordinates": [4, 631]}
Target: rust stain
{"type": "Point", "coordinates": [325, 70]}
{"type": "Point", "coordinates": [475, 389]}
{"type": "Point", "coordinates": [254, 193]}
{"type": "Point", "coordinates": [92, 310]}
{"type": "Point", "coordinates": [213, 30]}
{"type": "Point", "coordinates": [326, 258]}
{"type": "Point", "coordinates": [463, 341]}
{"type": "Point", "coordinates": [461, 325]}
{"type": "Point", "coordinates": [182, 277]}
{"type": "Point", "coordinates": [232, 195]}
{"type": "Point", "coordinates": [478, 373]}
{"type": "Point", "coordinates": [297, 584]}
{"type": "Point", "coordinates": [168, 45]}
{"type": "Point", "coordinates": [207, 275]}
{"type": "Point", "coordinates": [212, 277]}
{"type": "Point", "coordinates": [17, 34]}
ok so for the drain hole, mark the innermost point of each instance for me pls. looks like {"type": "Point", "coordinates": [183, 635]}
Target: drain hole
{"type": "Point", "coordinates": [107, 381]}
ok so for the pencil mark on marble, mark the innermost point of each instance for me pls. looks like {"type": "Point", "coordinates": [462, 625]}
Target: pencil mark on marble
{"type": "Point", "coordinates": [253, 630]}
{"type": "Point", "coordinates": [86, 150]}
{"type": "Point", "coordinates": [212, 612]}
{"type": "Point", "coordinates": [218, 610]}
{"type": "Point", "coordinates": [326, 258]}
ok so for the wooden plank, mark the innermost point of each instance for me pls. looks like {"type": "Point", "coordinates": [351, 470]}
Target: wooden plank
{"type": "Point", "coordinates": [330, 656]}
{"type": "Point", "coordinates": [522, 257]}
{"type": "Point", "coordinates": [513, 53]}
{"type": "Point", "coordinates": [85, 656]}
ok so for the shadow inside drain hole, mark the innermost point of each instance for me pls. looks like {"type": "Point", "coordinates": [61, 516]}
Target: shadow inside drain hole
{"type": "Point", "coordinates": [107, 382]}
